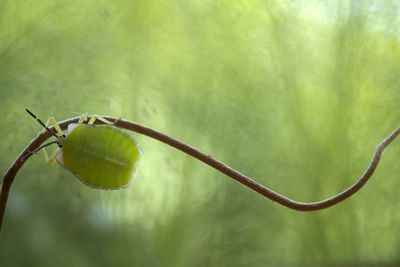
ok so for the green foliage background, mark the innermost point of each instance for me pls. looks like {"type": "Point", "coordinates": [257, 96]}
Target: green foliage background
{"type": "Point", "coordinates": [296, 94]}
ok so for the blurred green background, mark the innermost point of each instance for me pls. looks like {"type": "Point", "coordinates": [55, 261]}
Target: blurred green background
{"type": "Point", "coordinates": [295, 94]}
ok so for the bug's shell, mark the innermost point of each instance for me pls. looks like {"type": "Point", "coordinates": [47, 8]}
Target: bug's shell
{"type": "Point", "coordinates": [101, 156]}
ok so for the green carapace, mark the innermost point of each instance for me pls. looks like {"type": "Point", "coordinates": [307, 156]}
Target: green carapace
{"type": "Point", "coordinates": [101, 156]}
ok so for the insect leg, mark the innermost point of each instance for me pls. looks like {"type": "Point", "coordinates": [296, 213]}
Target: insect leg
{"type": "Point", "coordinates": [83, 118]}
{"type": "Point", "coordinates": [50, 161]}
{"type": "Point", "coordinates": [95, 117]}
{"type": "Point", "coordinates": [46, 160]}
{"type": "Point", "coordinates": [43, 160]}
{"type": "Point", "coordinates": [53, 122]}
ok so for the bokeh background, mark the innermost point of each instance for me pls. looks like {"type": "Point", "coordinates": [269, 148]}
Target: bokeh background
{"type": "Point", "coordinates": [295, 94]}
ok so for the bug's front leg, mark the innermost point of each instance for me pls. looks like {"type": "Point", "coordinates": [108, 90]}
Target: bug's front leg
{"type": "Point", "coordinates": [53, 122]}
{"type": "Point", "coordinates": [46, 160]}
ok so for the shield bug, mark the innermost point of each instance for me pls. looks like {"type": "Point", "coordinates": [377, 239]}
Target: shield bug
{"type": "Point", "coordinates": [101, 156]}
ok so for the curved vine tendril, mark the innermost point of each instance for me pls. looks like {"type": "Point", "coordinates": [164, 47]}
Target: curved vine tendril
{"type": "Point", "coordinates": [207, 159]}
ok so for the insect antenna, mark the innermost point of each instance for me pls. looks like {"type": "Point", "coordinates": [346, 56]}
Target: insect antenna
{"type": "Point", "coordinates": [37, 149]}
{"type": "Point", "coordinates": [41, 123]}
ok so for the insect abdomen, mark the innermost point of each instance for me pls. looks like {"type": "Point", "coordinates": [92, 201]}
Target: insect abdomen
{"type": "Point", "coordinates": [101, 156]}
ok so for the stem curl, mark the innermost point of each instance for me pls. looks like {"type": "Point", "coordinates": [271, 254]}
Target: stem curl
{"type": "Point", "coordinates": [207, 159]}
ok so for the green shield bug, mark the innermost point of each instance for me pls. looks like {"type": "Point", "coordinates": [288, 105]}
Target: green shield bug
{"type": "Point", "coordinates": [101, 156]}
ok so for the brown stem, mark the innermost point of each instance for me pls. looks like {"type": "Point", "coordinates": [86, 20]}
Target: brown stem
{"type": "Point", "coordinates": [216, 164]}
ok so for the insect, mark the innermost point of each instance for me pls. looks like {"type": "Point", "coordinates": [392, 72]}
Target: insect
{"type": "Point", "coordinates": [101, 156]}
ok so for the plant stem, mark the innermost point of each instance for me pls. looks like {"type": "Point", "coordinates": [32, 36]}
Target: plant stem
{"type": "Point", "coordinates": [207, 159]}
